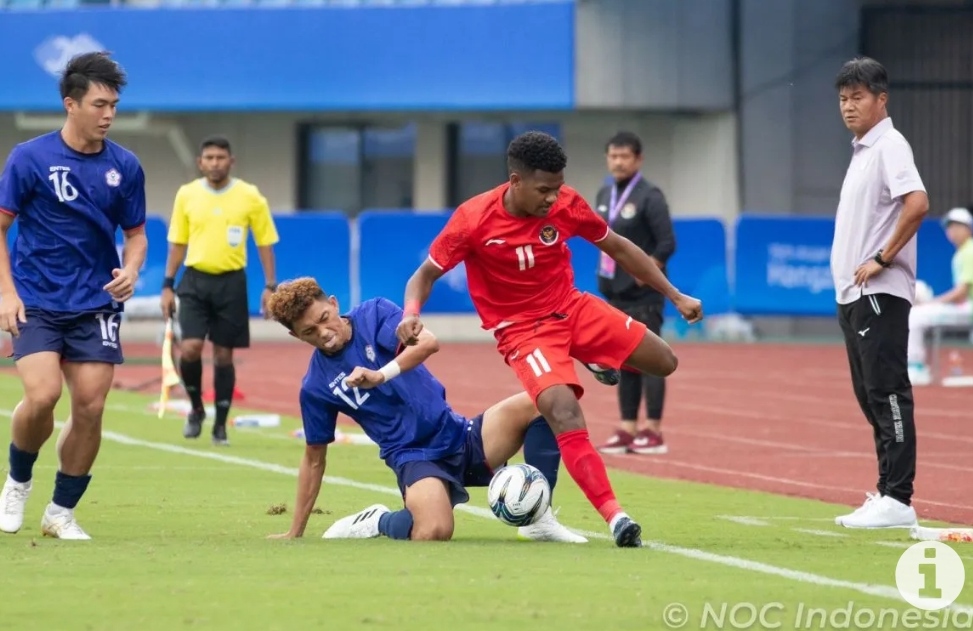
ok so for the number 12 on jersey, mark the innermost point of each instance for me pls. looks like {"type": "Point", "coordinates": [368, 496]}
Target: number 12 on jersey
{"type": "Point", "coordinates": [359, 397]}
{"type": "Point", "coordinates": [525, 257]}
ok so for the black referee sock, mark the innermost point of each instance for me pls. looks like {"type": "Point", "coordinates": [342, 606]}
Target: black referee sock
{"type": "Point", "coordinates": [192, 381]}
{"type": "Point", "coordinates": [224, 381]}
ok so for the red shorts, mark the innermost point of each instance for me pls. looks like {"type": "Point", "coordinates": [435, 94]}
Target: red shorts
{"type": "Point", "coordinates": [542, 352]}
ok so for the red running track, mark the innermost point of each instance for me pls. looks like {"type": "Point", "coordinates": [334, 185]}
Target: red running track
{"type": "Point", "coordinates": [777, 418]}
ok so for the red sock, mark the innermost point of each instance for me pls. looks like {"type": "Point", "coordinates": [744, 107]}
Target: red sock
{"type": "Point", "coordinates": [588, 471]}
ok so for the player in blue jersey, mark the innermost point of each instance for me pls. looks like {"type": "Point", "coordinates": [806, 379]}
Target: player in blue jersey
{"type": "Point", "coordinates": [62, 285]}
{"type": "Point", "coordinates": [434, 452]}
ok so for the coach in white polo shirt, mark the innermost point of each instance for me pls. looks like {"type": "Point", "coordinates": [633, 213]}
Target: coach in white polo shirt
{"type": "Point", "coordinates": [873, 262]}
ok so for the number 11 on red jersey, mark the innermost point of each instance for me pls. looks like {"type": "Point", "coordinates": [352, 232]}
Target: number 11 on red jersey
{"type": "Point", "coordinates": [525, 257]}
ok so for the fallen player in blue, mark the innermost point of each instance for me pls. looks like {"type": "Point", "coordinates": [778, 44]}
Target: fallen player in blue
{"type": "Point", "coordinates": [435, 452]}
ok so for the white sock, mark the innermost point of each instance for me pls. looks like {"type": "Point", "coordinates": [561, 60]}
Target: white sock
{"type": "Point", "coordinates": [614, 521]}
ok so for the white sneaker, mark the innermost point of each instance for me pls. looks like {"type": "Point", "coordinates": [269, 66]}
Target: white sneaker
{"type": "Point", "coordinates": [13, 500]}
{"type": "Point", "coordinates": [363, 525]}
{"type": "Point", "coordinates": [59, 523]}
{"type": "Point", "coordinates": [885, 512]}
{"type": "Point", "coordinates": [547, 528]}
{"type": "Point", "coordinates": [869, 498]}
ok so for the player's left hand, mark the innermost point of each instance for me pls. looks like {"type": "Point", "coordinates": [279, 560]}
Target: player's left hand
{"type": "Point", "coordinates": [866, 272]}
{"type": "Point", "coordinates": [690, 308]}
{"type": "Point", "coordinates": [364, 378]}
{"type": "Point", "coordinates": [283, 535]}
{"type": "Point", "coordinates": [123, 286]}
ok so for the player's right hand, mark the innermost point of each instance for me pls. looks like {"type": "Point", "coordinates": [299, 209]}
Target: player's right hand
{"type": "Point", "coordinates": [284, 535]}
{"type": "Point", "coordinates": [690, 308]}
{"type": "Point", "coordinates": [364, 378]}
{"type": "Point", "coordinates": [408, 330]}
{"type": "Point", "coordinates": [12, 312]}
{"type": "Point", "coordinates": [168, 303]}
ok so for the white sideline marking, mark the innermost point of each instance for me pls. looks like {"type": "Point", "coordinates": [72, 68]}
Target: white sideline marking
{"type": "Point", "coordinates": [881, 591]}
{"type": "Point", "coordinates": [744, 520]}
{"type": "Point", "coordinates": [819, 533]}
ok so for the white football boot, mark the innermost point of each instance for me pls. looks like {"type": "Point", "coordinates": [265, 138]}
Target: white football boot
{"type": "Point", "coordinates": [13, 500]}
{"type": "Point", "coordinates": [884, 512]}
{"type": "Point", "coordinates": [548, 528]}
{"type": "Point", "coordinates": [59, 523]}
{"type": "Point", "coordinates": [362, 525]}
{"type": "Point", "coordinates": [869, 498]}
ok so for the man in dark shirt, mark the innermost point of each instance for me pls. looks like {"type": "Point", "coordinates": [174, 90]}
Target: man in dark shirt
{"type": "Point", "coordinates": [635, 208]}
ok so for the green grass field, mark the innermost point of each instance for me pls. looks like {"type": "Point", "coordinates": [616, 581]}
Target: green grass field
{"type": "Point", "coordinates": [179, 541]}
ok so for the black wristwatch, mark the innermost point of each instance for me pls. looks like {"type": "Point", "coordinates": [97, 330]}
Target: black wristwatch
{"type": "Point", "coordinates": [271, 286]}
{"type": "Point", "coordinates": [878, 259]}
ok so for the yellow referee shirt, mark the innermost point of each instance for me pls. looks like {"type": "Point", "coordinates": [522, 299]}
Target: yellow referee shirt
{"type": "Point", "coordinates": [213, 224]}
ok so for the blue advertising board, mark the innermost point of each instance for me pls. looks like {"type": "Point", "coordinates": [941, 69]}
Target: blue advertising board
{"type": "Point", "coordinates": [311, 244]}
{"type": "Point", "coordinates": [154, 270]}
{"type": "Point", "coordinates": [783, 264]}
{"type": "Point", "coordinates": [505, 56]}
{"type": "Point", "coordinates": [698, 266]}
{"type": "Point", "coordinates": [392, 245]}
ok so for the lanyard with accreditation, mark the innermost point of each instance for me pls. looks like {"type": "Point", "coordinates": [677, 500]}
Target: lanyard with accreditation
{"type": "Point", "coordinates": [606, 267]}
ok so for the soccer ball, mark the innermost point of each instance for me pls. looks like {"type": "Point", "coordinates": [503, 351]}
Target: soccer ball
{"type": "Point", "coordinates": [519, 495]}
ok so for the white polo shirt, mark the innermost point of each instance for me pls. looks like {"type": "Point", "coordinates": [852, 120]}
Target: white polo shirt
{"type": "Point", "coordinates": [882, 171]}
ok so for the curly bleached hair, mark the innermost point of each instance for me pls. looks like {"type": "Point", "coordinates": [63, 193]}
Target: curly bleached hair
{"type": "Point", "coordinates": [292, 298]}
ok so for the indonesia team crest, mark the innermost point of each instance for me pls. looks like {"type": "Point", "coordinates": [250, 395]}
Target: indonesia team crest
{"type": "Point", "coordinates": [370, 352]}
{"type": "Point", "coordinates": [113, 178]}
{"type": "Point", "coordinates": [548, 235]}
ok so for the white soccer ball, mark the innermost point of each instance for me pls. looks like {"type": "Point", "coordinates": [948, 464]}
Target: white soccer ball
{"type": "Point", "coordinates": [924, 292]}
{"type": "Point", "coordinates": [519, 494]}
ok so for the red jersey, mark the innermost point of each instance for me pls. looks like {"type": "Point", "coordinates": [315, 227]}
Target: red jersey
{"type": "Point", "coordinates": [517, 268]}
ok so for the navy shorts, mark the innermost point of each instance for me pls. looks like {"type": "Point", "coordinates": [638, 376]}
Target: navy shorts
{"type": "Point", "coordinates": [91, 336]}
{"type": "Point", "coordinates": [466, 469]}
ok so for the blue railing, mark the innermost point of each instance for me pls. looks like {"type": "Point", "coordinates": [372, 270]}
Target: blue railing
{"type": "Point", "coordinates": [779, 266]}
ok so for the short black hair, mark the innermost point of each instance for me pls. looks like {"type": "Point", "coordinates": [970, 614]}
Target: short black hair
{"type": "Point", "coordinates": [535, 151]}
{"type": "Point", "coordinates": [626, 139]}
{"type": "Point", "coordinates": [864, 72]}
{"type": "Point", "coordinates": [220, 142]}
{"type": "Point", "coordinates": [91, 68]}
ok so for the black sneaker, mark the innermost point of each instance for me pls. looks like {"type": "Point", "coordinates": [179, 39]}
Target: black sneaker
{"type": "Point", "coordinates": [627, 533]}
{"type": "Point", "coordinates": [607, 376]}
{"type": "Point", "coordinates": [219, 435]}
{"type": "Point", "coordinates": [194, 424]}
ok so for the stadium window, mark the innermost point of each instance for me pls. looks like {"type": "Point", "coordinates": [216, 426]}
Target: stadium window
{"type": "Point", "coordinates": [477, 154]}
{"type": "Point", "coordinates": [353, 167]}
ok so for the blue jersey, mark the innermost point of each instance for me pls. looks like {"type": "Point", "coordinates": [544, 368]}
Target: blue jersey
{"type": "Point", "coordinates": [69, 206]}
{"type": "Point", "coordinates": [408, 416]}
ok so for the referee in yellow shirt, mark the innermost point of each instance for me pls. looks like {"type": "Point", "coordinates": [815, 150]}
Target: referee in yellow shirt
{"type": "Point", "coordinates": [208, 229]}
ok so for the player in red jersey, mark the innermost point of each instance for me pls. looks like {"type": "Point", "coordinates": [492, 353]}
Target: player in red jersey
{"type": "Point", "coordinates": [518, 268]}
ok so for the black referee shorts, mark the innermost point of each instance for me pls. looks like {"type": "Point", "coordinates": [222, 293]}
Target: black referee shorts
{"type": "Point", "coordinates": [214, 306]}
